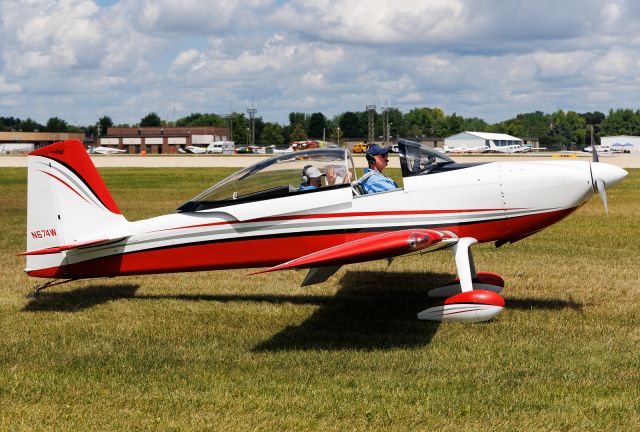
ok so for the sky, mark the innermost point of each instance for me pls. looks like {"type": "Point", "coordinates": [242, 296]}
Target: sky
{"type": "Point", "coordinates": [82, 59]}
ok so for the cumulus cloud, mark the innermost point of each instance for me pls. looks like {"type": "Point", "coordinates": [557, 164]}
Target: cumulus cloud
{"type": "Point", "coordinates": [454, 24]}
{"type": "Point", "coordinates": [483, 58]}
{"type": "Point", "coordinates": [186, 15]}
{"type": "Point", "coordinates": [7, 87]}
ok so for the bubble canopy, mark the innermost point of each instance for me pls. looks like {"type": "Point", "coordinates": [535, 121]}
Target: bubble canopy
{"type": "Point", "coordinates": [275, 177]}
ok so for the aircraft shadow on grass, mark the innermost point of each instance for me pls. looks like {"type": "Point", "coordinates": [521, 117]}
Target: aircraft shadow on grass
{"type": "Point", "coordinates": [79, 299]}
{"type": "Point", "coordinates": [371, 310]}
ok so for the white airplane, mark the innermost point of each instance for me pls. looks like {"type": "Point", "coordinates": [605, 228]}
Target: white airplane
{"type": "Point", "coordinates": [281, 151]}
{"type": "Point", "coordinates": [512, 148]}
{"type": "Point", "coordinates": [193, 150]}
{"type": "Point", "coordinates": [259, 217]}
{"type": "Point", "coordinates": [462, 149]}
{"type": "Point", "coordinates": [599, 149]}
{"type": "Point", "coordinates": [108, 150]}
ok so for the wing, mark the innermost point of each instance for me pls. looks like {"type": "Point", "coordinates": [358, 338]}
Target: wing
{"type": "Point", "coordinates": [325, 262]}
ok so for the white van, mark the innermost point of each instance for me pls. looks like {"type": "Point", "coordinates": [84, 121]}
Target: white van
{"type": "Point", "coordinates": [220, 147]}
{"type": "Point", "coordinates": [215, 147]}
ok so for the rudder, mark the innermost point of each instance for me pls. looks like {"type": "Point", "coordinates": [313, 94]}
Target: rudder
{"type": "Point", "coordinates": [67, 202]}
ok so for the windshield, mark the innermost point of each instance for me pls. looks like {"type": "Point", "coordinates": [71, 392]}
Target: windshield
{"type": "Point", "coordinates": [279, 176]}
{"type": "Point", "coordinates": [418, 159]}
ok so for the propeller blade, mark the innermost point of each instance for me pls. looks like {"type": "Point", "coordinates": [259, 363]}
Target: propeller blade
{"type": "Point", "coordinates": [593, 148]}
{"type": "Point", "coordinates": [603, 194]}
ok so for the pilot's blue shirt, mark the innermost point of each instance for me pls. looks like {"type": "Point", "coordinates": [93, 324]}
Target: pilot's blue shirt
{"type": "Point", "coordinates": [304, 187]}
{"type": "Point", "coordinates": [374, 181]}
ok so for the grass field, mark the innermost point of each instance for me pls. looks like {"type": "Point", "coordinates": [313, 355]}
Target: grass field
{"type": "Point", "coordinates": [227, 351]}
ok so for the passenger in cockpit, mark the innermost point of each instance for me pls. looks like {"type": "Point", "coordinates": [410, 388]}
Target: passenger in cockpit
{"type": "Point", "coordinates": [311, 178]}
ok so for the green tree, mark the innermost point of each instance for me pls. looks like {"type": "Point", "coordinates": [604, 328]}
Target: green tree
{"type": "Point", "coordinates": [201, 120]}
{"type": "Point", "coordinates": [567, 129]}
{"type": "Point", "coordinates": [621, 122]}
{"type": "Point", "coordinates": [451, 125]}
{"type": "Point", "coordinates": [104, 123]}
{"type": "Point", "coordinates": [425, 122]}
{"type": "Point", "coordinates": [298, 133]}
{"type": "Point", "coordinates": [474, 124]}
{"type": "Point", "coordinates": [592, 120]}
{"type": "Point", "coordinates": [55, 124]}
{"type": "Point", "coordinates": [258, 125]}
{"type": "Point", "coordinates": [9, 123]}
{"type": "Point", "coordinates": [272, 134]}
{"type": "Point", "coordinates": [397, 122]}
{"type": "Point", "coordinates": [298, 118]}
{"type": "Point", "coordinates": [239, 125]}
{"type": "Point", "coordinates": [317, 125]}
{"type": "Point", "coordinates": [30, 125]}
{"type": "Point", "coordinates": [350, 125]}
{"type": "Point", "coordinates": [533, 125]}
{"type": "Point", "coordinates": [151, 120]}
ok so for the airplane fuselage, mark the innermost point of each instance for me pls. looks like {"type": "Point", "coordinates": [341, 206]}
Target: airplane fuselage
{"type": "Point", "coordinates": [501, 201]}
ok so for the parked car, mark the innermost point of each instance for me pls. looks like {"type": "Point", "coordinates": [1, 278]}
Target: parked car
{"type": "Point", "coordinates": [359, 148]}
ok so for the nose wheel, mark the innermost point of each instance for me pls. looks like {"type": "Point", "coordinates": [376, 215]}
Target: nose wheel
{"type": "Point", "coordinates": [473, 296]}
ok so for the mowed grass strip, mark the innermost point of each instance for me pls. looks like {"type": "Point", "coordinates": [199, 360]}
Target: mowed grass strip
{"type": "Point", "coordinates": [227, 351]}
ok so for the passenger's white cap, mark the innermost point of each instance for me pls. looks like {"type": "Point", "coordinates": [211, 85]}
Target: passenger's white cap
{"type": "Point", "coordinates": [313, 172]}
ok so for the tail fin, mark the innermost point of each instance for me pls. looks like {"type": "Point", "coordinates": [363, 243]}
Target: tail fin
{"type": "Point", "coordinates": [67, 203]}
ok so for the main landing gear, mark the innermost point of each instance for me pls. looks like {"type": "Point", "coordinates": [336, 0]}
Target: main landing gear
{"type": "Point", "coordinates": [472, 297]}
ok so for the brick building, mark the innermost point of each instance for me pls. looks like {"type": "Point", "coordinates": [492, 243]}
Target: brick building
{"type": "Point", "coordinates": [28, 141]}
{"type": "Point", "coordinates": [158, 140]}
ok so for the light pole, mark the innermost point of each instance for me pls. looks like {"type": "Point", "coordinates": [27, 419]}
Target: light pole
{"type": "Point", "coordinates": [338, 129]}
{"type": "Point", "coordinates": [252, 110]}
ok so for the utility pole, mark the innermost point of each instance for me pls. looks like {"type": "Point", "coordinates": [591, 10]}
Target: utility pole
{"type": "Point", "coordinates": [230, 118]}
{"type": "Point", "coordinates": [385, 124]}
{"type": "Point", "coordinates": [371, 111]}
{"type": "Point", "coordinates": [252, 110]}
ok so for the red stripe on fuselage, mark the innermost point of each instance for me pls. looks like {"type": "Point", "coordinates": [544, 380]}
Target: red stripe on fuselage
{"type": "Point", "coordinates": [266, 252]}
{"type": "Point", "coordinates": [341, 215]}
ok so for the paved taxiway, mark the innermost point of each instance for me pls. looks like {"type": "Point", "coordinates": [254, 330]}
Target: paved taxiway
{"type": "Point", "coordinates": [212, 161]}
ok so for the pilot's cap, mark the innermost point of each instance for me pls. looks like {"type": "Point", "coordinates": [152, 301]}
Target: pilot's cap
{"type": "Point", "coordinates": [312, 172]}
{"type": "Point", "coordinates": [377, 150]}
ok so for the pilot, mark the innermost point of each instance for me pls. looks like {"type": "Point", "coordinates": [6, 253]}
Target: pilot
{"type": "Point", "coordinates": [311, 178]}
{"type": "Point", "coordinates": [373, 180]}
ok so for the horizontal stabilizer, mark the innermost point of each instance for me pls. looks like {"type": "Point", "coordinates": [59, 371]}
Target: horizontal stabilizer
{"type": "Point", "coordinates": [385, 245]}
{"type": "Point", "coordinates": [61, 248]}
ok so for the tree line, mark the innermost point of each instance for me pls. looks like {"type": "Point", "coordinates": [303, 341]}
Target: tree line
{"type": "Point", "coordinates": [558, 130]}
